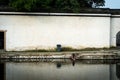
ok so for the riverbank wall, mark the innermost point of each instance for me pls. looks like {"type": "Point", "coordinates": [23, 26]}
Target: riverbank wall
{"type": "Point", "coordinates": [78, 55]}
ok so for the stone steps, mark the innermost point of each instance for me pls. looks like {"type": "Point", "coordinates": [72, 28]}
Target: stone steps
{"type": "Point", "coordinates": [61, 56]}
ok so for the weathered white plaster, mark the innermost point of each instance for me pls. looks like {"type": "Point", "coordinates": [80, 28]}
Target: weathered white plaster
{"type": "Point", "coordinates": [115, 28]}
{"type": "Point", "coordinates": [27, 32]}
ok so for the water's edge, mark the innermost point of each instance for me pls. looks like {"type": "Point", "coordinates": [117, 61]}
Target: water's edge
{"type": "Point", "coordinates": [62, 55]}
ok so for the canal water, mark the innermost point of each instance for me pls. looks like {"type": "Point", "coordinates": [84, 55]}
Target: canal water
{"type": "Point", "coordinates": [59, 70]}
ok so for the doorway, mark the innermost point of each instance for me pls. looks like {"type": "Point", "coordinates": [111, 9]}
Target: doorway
{"type": "Point", "coordinates": [118, 39]}
{"type": "Point", "coordinates": [1, 40]}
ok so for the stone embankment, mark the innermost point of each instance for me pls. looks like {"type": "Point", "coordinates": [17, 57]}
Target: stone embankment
{"type": "Point", "coordinates": [62, 55]}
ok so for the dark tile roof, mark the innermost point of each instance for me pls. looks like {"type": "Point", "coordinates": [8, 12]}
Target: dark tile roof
{"type": "Point", "coordinates": [84, 10]}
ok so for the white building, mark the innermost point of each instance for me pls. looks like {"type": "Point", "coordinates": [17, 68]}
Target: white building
{"type": "Point", "coordinates": [34, 31]}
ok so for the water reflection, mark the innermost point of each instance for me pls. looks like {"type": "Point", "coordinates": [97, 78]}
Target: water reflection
{"type": "Point", "coordinates": [58, 65]}
{"type": "Point", "coordinates": [118, 70]}
{"type": "Point", "coordinates": [73, 63]}
{"type": "Point", "coordinates": [2, 71]}
{"type": "Point", "coordinates": [60, 70]}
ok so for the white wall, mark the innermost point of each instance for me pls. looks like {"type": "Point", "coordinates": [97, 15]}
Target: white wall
{"type": "Point", "coordinates": [115, 28]}
{"type": "Point", "coordinates": [45, 32]}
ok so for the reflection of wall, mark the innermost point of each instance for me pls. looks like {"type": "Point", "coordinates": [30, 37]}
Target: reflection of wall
{"type": "Point", "coordinates": [113, 72]}
{"type": "Point", "coordinates": [49, 71]}
{"type": "Point", "coordinates": [118, 70]}
{"type": "Point", "coordinates": [2, 72]}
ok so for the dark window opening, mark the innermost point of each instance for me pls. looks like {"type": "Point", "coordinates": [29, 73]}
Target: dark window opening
{"type": "Point", "coordinates": [1, 40]}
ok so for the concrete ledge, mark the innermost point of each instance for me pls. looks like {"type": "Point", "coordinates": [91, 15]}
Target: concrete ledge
{"type": "Point", "coordinates": [62, 55]}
